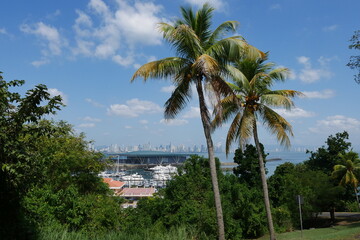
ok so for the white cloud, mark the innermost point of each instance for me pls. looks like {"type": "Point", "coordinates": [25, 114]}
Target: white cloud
{"type": "Point", "coordinates": [137, 66]}
{"type": "Point", "coordinates": [294, 113]}
{"type": "Point", "coordinates": [309, 74]}
{"type": "Point", "coordinates": [53, 15]}
{"type": "Point", "coordinates": [151, 58]}
{"type": "Point", "coordinates": [128, 127]}
{"type": "Point", "coordinates": [336, 123]}
{"type": "Point", "coordinates": [55, 92]}
{"type": "Point", "coordinates": [94, 103]}
{"type": "Point", "coordinates": [324, 94]}
{"type": "Point", "coordinates": [143, 121]}
{"type": "Point", "coordinates": [134, 108]}
{"type": "Point", "coordinates": [127, 61]}
{"type": "Point", "coordinates": [217, 4]}
{"type": "Point", "coordinates": [276, 6]}
{"type": "Point", "coordinates": [174, 122]}
{"type": "Point", "coordinates": [304, 60]}
{"type": "Point", "coordinates": [194, 112]}
{"type": "Point", "coordinates": [90, 119]}
{"type": "Point", "coordinates": [87, 125]}
{"type": "Point", "coordinates": [54, 41]}
{"type": "Point", "coordinates": [3, 31]}
{"type": "Point", "coordinates": [105, 32]}
{"type": "Point", "coordinates": [40, 62]}
{"type": "Point", "coordinates": [330, 28]}
{"type": "Point", "coordinates": [168, 89]}
{"type": "Point", "coordinates": [139, 22]}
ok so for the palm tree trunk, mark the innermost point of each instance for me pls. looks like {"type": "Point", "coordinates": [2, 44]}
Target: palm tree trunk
{"type": "Point", "coordinates": [264, 184]}
{"type": "Point", "coordinates": [207, 131]}
{"type": "Point", "coordinates": [357, 198]}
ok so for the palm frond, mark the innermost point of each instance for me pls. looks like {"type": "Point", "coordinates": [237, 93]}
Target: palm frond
{"type": "Point", "coordinates": [203, 23]}
{"type": "Point", "coordinates": [232, 132]}
{"type": "Point", "coordinates": [221, 86]}
{"type": "Point", "coordinates": [276, 124]}
{"type": "Point", "coordinates": [233, 48]}
{"type": "Point", "coordinates": [183, 39]}
{"type": "Point", "coordinates": [163, 68]}
{"type": "Point", "coordinates": [228, 109]}
{"type": "Point", "coordinates": [245, 130]}
{"type": "Point", "coordinates": [279, 74]}
{"type": "Point", "coordinates": [206, 65]}
{"type": "Point", "coordinates": [286, 93]}
{"type": "Point", "coordinates": [240, 80]}
{"type": "Point", "coordinates": [179, 98]}
{"type": "Point", "coordinates": [222, 30]}
{"type": "Point", "coordinates": [277, 100]}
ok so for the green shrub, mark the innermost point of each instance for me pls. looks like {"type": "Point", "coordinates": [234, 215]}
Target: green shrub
{"type": "Point", "coordinates": [282, 219]}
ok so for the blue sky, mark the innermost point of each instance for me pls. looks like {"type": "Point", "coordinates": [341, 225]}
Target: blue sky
{"type": "Point", "coordinates": [87, 51]}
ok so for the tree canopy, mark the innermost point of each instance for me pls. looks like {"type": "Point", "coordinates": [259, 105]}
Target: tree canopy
{"type": "Point", "coordinates": [354, 62]}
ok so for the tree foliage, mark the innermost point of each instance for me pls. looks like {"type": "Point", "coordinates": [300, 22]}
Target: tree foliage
{"type": "Point", "coordinates": [47, 175]}
{"type": "Point", "coordinates": [348, 172]}
{"type": "Point", "coordinates": [188, 200]}
{"type": "Point", "coordinates": [248, 170]}
{"type": "Point", "coordinates": [326, 157]}
{"type": "Point", "coordinates": [16, 164]}
{"type": "Point", "coordinates": [354, 62]}
{"type": "Point", "coordinates": [314, 186]}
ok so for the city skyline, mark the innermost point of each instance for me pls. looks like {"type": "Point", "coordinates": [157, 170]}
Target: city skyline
{"type": "Point", "coordinates": [196, 148]}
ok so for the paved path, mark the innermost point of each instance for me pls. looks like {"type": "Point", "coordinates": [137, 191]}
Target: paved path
{"type": "Point", "coordinates": [350, 215]}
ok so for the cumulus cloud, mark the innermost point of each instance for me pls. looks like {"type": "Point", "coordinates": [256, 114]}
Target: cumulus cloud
{"type": "Point", "coordinates": [53, 42]}
{"type": "Point", "coordinates": [123, 61]}
{"type": "Point", "coordinates": [276, 6]}
{"type": "Point", "coordinates": [90, 119]}
{"type": "Point", "coordinates": [39, 63]}
{"type": "Point", "coordinates": [168, 89]}
{"type": "Point", "coordinates": [194, 112]}
{"type": "Point", "coordinates": [330, 28]}
{"type": "Point", "coordinates": [55, 92]}
{"type": "Point", "coordinates": [324, 94]}
{"type": "Point", "coordinates": [94, 103]}
{"type": "Point", "coordinates": [134, 108]}
{"type": "Point", "coordinates": [86, 125]}
{"type": "Point", "coordinates": [309, 74]}
{"type": "Point", "coordinates": [294, 113]}
{"type": "Point", "coordinates": [3, 31]}
{"type": "Point", "coordinates": [143, 121]}
{"type": "Point", "coordinates": [105, 32]}
{"type": "Point", "coordinates": [217, 4]}
{"type": "Point", "coordinates": [174, 122]}
{"type": "Point", "coordinates": [336, 123]}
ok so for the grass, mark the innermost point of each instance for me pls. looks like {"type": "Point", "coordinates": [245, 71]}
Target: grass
{"type": "Point", "coordinates": [344, 232]}
{"type": "Point", "coordinates": [63, 234]}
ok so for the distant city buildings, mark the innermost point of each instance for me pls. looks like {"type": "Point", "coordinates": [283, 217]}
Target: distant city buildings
{"type": "Point", "coordinates": [171, 148]}
{"type": "Point", "coordinates": [115, 148]}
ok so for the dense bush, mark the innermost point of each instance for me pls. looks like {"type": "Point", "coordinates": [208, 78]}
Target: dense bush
{"type": "Point", "coordinates": [188, 201]}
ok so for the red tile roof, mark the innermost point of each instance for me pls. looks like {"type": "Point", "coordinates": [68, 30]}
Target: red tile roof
{"type": "Point", "coordinates": [137, 192]}
{"type": "Point", "coordinates": [113, 184]}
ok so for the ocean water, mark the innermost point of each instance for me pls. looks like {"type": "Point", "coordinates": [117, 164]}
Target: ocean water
{"type": "Point", "coordinates": [285, 156]}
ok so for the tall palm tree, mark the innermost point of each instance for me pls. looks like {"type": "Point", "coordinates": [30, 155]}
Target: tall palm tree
{"type": "Point", "coordinates": [252, 79]}
{"type": "Point", "coordinates": [349, 172]}
{"type": "Point", "coordinates": [202, 54]}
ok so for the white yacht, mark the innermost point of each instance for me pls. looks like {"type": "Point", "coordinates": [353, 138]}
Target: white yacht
{"type": "Point", "coordinates": [133, 179]}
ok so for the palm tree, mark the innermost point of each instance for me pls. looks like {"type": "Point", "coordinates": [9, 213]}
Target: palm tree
{"type": "Point", "coordinates": [349, 172]}
{"type": "Point", "coordinates": [201, 57]}
{"type": "Point", "coordinates": [252, 79]}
